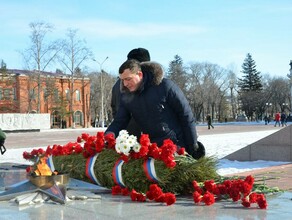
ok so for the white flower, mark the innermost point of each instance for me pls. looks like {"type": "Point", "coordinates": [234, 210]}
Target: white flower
{"type": "Point", "coordinates": [121, 140]}
{"type": "Point", "coordinates": [118, 148]}
{"type": "Point", "coordinates": [125, 143]}
{"type": "Point", "coordinates": [132, 140]}
{"type": "Point", "coordinates": [123, 132]}
{"type": "Point", "coordinates": [125, 147]}
{"type": "Point", "coordinates": [136, 147]}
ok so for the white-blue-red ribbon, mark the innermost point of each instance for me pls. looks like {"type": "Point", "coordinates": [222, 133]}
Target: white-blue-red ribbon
{"type": "Point", "coordinates": [117, 173]}
{"type": "Point", "coordinates": [149, 170]}
{"type": "Point", "coordinates": [51, 163]}
{"type": "Point", "coordinates": [89, 169]}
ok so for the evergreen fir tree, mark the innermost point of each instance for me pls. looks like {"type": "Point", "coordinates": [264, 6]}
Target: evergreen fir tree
{"type": "Point", "coordinates": [250, 85]}
{"type": "Point", "coordinates": [177, 73]}
{"type": "Point", "coordinates": [251, 80]}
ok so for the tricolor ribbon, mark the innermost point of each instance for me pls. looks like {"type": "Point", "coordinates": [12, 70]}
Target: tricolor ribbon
{"type": "Point", "coordinates": [117, 173]}
{"type": "Point", "coordinates": [149, 170]}
{"type": "Point", "coordinates": [51, 163]}
{"type": "Point", "coordinates": [89, 169]}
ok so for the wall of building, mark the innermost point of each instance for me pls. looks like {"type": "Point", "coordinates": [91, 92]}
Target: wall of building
{"type": "Point", "coordinates": [24, 122]}
{"type": "Point", "coordinates": [24, 82]}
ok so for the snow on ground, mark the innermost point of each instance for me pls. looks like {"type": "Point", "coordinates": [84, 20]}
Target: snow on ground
{"type": "Point", "coordinates": [218, 145]}
{"type": "Point", "coordinates": [221, 145]}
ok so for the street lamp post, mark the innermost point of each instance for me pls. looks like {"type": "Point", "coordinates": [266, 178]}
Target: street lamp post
{"type": "Point", "coordinates": [101, 91]}
{"type": "Point", "coordinates": [268, 106]}
{"type": "Point", "coordinates": [290, 77]}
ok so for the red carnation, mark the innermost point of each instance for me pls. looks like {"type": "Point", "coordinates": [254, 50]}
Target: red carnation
{"type": "Point", "coordinates": [145, 140]}
{"type": "Point", "coordinates": [253, 197]}
{"type": "Point", "coordinates": [210, 185]}
{"type": "Point", "coordinates": [197, 188]}
{"type": "Point", "coordinates": [160, 198]}
{"type": "Point", "coordinates": [79, 139]}
{"type": "Point", "coordinates": [181, 151]}
{"type": "Point", "coordinates": [245, 202]}
{"type": "Point", "coordinates": [110, 139]}
{"type": "Point", "coordinates": [197, 197]}
{"type": "Point", "coordinates": [135, 196]}
{"type": "Point", "coordinates": [262, 202]}
{"type": "Point", "coordinates": [125, 191]}
{"type": "Point", "coordinates": [250, 180]}
{"type": "Point", "coordinates": [208, 198]}
{"type": "Point", "coordinates": [84, 136]}
{"type": "Point", "coordinates": [170, 198]}
{"type": "Point", "coordinates": [116, 190]}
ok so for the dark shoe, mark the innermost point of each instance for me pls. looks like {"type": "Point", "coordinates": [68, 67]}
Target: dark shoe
{"type": "Point", "coordinates": [200, 151]}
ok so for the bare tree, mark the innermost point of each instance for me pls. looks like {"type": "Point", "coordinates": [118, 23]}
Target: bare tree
{"type": "Point", "coordinates": [196, 92]}
{"type": "Point", "coordinates": [95, 94]}
{"type": "Point", "coordinates": [40, 53]}
{"type": "Point", "coordinates": [207, 83]}
{"type": "Point", "coordinates": [215, 88]}
{"type": "Point", "coordinates": [232, 84]}
{"type": "Point", "coordinates": [277, 93]}
{"type": "Point", "coordinates": [74, 54]}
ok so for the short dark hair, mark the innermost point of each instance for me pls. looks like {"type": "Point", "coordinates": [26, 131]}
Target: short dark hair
{"type": "Point", "coordinates": [140, 54]}
{"type": "Point", "coordinates": [132, 64]}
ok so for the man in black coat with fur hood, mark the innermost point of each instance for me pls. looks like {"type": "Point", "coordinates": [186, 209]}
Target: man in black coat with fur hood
{"type": "Point", "coordinates": [157, 105]}
{"type": "Point", "coordinates": [141, 55]}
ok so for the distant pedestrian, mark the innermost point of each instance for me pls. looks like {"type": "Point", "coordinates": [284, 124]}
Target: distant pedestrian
{"type": "Point", "coordinates": [209, 121]}
{"type": "Point", "coordinates": [2, 141]}
{"type": "Point", "coordinates": [266, 118]}
{"type": "Point", "coordinates": [283, 119]}
{"type": "Point", "coordinates": [277, 119]}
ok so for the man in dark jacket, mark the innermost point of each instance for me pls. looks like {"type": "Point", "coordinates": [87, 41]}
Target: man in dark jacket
{"type": "Point", "coordinates": [157, 105]}
{"type": "Point", "coordinates": [141, 55]}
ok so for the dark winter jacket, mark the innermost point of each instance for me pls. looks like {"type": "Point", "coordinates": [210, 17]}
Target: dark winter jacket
{"type": "Point", "coordinates": [2, 135]}
{"type": "Point", "coordinates": [116, 97]}
{"type": "Point", "coordinates": [159, 107]}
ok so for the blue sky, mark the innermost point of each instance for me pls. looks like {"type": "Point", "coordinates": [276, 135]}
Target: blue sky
{"type": "Point", "coordinates": [216, 31]}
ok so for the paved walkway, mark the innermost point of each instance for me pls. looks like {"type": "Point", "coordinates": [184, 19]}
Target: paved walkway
{"type": "Point", "coordinates": [63, 136]}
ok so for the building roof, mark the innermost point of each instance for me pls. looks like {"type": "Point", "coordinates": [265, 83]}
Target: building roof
{"type": "Point", "coordinates": [28, 72]}
{"type": "Point", "coordinates": [43, 73]}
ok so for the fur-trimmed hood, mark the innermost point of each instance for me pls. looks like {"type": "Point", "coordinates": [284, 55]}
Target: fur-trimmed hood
{"type": "Point", "coordinates": [152, 75]}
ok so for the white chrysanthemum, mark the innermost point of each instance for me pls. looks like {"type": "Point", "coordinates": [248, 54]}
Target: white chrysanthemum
{"type": "Point", "coordinates": [123, 132]}
{"type": "Point", "coordinates": [125, 143]}
{"type": "Point", "coordinates": [132, 140]}
{"type": "Point", "coordinates": [121, 139]}
{"type": "Point", "coordinates": [137, 147]}
{"type": "Point", "coordinates": [118, 148]}
{"type": "Point", "coordinates": [125, 148]}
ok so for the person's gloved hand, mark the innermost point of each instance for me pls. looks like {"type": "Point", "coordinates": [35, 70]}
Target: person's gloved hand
{"type": "Point", "coordinates": [199, 151]}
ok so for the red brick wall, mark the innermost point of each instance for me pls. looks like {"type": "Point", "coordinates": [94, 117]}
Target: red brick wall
{"type": "Point", "coordinates": [23, 84]}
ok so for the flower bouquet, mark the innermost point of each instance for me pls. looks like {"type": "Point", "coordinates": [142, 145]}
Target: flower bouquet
{"type": "Point", "coordinates": [144, 170]}
{"type": "Point", "coordinates": [126, 162]}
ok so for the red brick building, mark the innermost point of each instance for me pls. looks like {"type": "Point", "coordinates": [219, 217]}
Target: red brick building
{"type": "Point", "coordinates": [67, 100]}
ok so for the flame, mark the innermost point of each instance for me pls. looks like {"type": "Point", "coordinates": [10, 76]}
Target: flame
{"type": "Point", "coordinates": [42, 168]}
